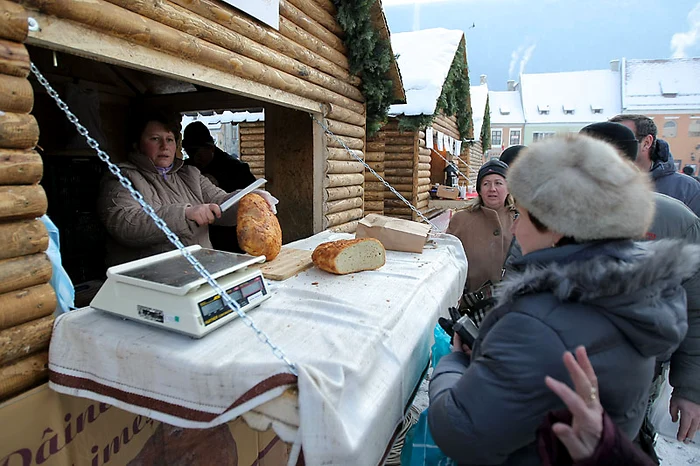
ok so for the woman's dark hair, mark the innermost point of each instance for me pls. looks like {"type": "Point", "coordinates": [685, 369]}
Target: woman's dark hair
{"type": "Point", "coordinates": [541, 227]}
{"type": "Point", "coordinates": [171, 121]}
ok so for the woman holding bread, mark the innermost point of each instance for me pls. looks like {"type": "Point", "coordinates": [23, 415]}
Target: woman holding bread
{"type": "Point", "coordinates": [483, 226]}
{"type": "Point", "coordinates": [185, 199]}
{"type": "Point", "coordinates": [582, 280]}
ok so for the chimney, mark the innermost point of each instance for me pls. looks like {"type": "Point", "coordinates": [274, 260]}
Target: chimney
{"type": "Point", "coordinates": [482, 79]}
{"type": "Point", "coordinates": [511, 85]}
{"type": "Point", "coordinates": [615, 65]}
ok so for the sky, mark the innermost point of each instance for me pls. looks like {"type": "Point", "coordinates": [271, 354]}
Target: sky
{"type": "Point", "coordinates": [507, 37]}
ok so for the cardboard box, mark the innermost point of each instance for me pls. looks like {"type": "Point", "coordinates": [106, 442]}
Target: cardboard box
{"type": "Point", "coordinates": [448, 192]}
{"type": "Point", "coordinates": [395, 234]}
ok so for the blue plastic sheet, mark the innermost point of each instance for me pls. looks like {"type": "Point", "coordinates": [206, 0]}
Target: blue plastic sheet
{"type": "Point", "coordinates": [60, 281]}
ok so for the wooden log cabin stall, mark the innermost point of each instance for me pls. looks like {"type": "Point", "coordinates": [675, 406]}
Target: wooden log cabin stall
{"type": "Point", "coordinates": [435, 120]}
{"type": "Point", "coordinates": [121, 392]}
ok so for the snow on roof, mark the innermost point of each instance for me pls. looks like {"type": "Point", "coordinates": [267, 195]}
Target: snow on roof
{"type": "Point", "coordinates": [424, 59]}
{"type": "Point", "coordinates": [215, 120]}
{"type": "Point", "coordinates": [478, 95]}
{"type": "Point", "coordinates": [665, 84]}
{"type": "Point", "coordinates": [570, 97]}
{"type": "Point", "coordinates": [506, 108]}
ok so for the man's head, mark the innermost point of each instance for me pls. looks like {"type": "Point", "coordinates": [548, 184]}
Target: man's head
{"type": "Point", "coordinates": [508, 156]}
{"type": "Point", "coordinates": [198, 143]}
{"type": "Point", "coordinates": [645, 132]}
{"type": "Point", "coordinates": [688, 170]}
{"type": "Point", "coordinates": [620, 136]}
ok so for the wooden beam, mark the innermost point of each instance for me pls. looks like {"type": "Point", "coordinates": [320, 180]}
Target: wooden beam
{"type": "Point", "coordinates": [14, 23]}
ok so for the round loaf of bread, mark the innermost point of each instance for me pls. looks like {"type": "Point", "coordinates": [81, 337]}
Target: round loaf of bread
{"type": "Point", "coordinates": [349, 255]}
{"type": "Point", "coordinates": [257, 228]}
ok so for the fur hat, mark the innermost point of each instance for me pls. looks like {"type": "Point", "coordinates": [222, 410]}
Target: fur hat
{"type": "Point", "coordinates": [581, 187]}
{"type": "Point", "coordinates": [508, 156]}
{"type": "Point", "coordinates": [616, 134]}
{"type": "Point", "coordinates": [492, 167]}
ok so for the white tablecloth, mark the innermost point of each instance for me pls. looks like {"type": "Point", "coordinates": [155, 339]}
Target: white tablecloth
{"type": "Point", "coordinates": [359, 341]}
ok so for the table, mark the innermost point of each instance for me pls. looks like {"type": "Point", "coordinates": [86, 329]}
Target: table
{"type": "Point", "coordinates": [360, 343]}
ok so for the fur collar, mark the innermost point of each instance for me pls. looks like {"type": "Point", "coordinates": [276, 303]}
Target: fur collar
{"type": "Point", "coordinates": [604, 270]}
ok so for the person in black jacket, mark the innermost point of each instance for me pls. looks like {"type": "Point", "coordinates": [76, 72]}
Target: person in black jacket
{"type": "Point", "coordinates": [224, 170]}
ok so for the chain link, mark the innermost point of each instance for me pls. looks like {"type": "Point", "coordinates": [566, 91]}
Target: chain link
{"type": "Point", "coordinates": [377, 175]}
{"type": "Point", "coordinates": [172, 237]}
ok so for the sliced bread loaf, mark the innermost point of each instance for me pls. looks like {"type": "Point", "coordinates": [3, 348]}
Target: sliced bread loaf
{"type": "Point", "coordinates": [349, 255]}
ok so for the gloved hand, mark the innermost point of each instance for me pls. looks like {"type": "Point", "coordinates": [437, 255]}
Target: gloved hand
{"type": "Point", "coordinates": [271, 200]}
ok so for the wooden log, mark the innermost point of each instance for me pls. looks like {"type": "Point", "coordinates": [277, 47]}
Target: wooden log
{"type": "Point", "coordinates": [374, 206]}
{"type": "Point", "coordinates": [369, 176]}
{"type": "Point", "coordinates": [374, 156]}
{"type": "Point", "coordinates": [14, 59]}
{"type": "Point", "coordinates": [252, 29]}
{"type": "Point", "coordinates": [424, 152]}
{"type": "Point", "coordinates": [424, 174]}
{"type": "Point", "coordinates": [18, 131]}
{"type": "Point", "coordinates": [396, 148]}
{"type": "Point", "coordinates": [339, 218]}
{"type": "Point", "coordinates": [252, 151]}
{"type": "Point", "coordinates": [328, 6]}
{"type": "Point", "coordinates": [346, 179]}
{"type": "Point", "coordinates": [374, 186]}
{"type": "Point", "coordinates": [421, 196]}
{"type": "Point", "coordinates": [376, 166]}
{"type": "Point", "coordinates": [23, 374]}
{"type": "Point", "coordinates": [118, 22]}
{"type": "Point", "coordinates": [342, 205]}
{"type": "Point", "coordinates": [352, 143]}
{"type": "Point", "coordinates": [424, 159]}
{"type": "Point", "coordinates": [345, 129]}
{"type": "Point", "coordinates": [343, 192]}
{"type": "Point", "coordinates": [14, 24]}
{"type": "Point", "coordinates": [400, 156]}
{"type": "Point", "coordinates": [395, 203]}
{"type": "Point", "coordinates": [256, 164]}
{"type": "Point", "coordinates": [22, 237]}
{"type": "Point", "coordinates": [21, 341]}
{"type": "Point", "coordinates": [22, 272]}
{"type": "Point", "coordinates": [388, 133]}
{"type": "Point", "coordinates": [373, 196]}
{"type": "Point", "coordinates": [398, 164]}
{"type": "Point", "coordinates": [400, 179]}
{"type": "Point", "coordinates": [349, 227]}
{"type": "Point", "coordinates": [398, 171]}
{"type": "Point", "coordinates": [16, 94]}
{"type": "Point", "coordinates": [20, 167]}
{"type": "Point", "coordinates": [375, 146]}
{"type": "Point", "coordinates": [313, 27]}
{"type": "Point", "coordinates": [347, 116]}
{"type": "Point", "coordinates": [258, 172]}
{"type": "Point", "coordinates": [343, 166]}
{"type": "Point", "coordinates": [251, 130]}
{"type": "Point", "coordinates": [246, 144]}
{"type": "Point", "coordinates": [27, 304]}
{"type": "Point", "coordinates": [397, 210]}
{"type": "Point", "coordinates": [210, 31]}
{"type": "Point", "coordinates": [254, 158]}
{"type": "Point", "coordinates": [295, 33]}
{"type": "Point", "coordinates": [336, 153]}
{"type": "Point", "coordinates": [253, 136]}
{"type": "Point", "coordinates": [399, 141]}
{"type": "Point", "coordinates": [23, 201]}
{"type": "Point", "coordinates": [403, 187]}
{"type": "Point", "coordinates": [320, 15]}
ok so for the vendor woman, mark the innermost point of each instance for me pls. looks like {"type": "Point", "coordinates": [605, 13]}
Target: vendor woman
{"type": "Point", "coordinates": [179, 194]}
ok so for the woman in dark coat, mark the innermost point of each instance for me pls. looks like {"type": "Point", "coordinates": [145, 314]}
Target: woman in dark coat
{"type": "Point", "coordinates": [582, 281]}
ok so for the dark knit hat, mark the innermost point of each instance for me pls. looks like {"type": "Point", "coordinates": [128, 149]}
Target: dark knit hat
{"type": "Point", "coordinates": [509, 155]}
{"type": "Point", "coordinates": [492, 167]}
{"type": "Point", "coordinates": [617, 134]}
{"type": "Point", "coordinates": [196, 135]}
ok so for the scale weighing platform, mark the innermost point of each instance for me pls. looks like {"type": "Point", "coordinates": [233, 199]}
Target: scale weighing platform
{"type": "Point", "coordinates": [166, 291]}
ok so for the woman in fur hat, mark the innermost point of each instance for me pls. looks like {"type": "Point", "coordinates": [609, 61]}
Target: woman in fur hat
{"type": "Point", "coordinates": [581, 281]}
{"type": "Point", "coordinates": [483, 226]}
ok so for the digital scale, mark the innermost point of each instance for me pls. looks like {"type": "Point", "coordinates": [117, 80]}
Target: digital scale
{"type": "Point", "coordinates": [166, 291]}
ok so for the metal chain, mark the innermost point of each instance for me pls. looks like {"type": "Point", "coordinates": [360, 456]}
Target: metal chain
{"type": "Point", "coordinates": [172, 237]}
{"type": "Point", "coordinates": [452, 164]}
{"type": "Point", "coordinates": [377, 175]}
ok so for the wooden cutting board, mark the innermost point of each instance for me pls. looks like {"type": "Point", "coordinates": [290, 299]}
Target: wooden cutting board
{"type": "Point", "coordinates": [288, 263]}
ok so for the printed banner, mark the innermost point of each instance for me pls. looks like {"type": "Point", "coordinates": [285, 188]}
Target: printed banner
{"type": "Point", "coordinates": [458, 147]}
{"type": "Point", "coordinates": [440, 141]}
{"type": "Point", "coordinates": [42, 427]}
{"type": "Point", "coordinates": [267, 11]}
{"type": "Point", "coordinates": [429, 137]}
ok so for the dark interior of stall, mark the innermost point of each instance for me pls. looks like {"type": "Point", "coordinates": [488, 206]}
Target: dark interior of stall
{"type": "Point", "coordinates": [104, 97]}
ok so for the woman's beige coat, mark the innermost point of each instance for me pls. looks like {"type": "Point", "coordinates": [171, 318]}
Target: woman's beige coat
{"type": "Point", "coordinates": [485, 235]}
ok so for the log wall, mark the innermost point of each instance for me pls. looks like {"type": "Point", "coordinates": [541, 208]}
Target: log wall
{"type": "Point", "coordinates": [252, 146]}
{"type": "Point", "coordinates": [26, 299]}
{"type": "Point", "coordinates": [374, 189]}
{"type": "Point", "coordinates": [476, 160]}
{"type": "Point", "coordinates": [305, 61]}
{"type": "Point", "coordinates": [400, 161]}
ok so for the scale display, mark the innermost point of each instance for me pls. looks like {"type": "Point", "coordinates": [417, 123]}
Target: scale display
{"type": "Point", "coordinates": [214, 308]}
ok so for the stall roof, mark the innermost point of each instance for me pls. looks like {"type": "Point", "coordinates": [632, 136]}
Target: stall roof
{"type": "Point", "coordinates": [664, 84]}
{"type": "Point", "coordinates": [506, 108]}
{"type": "Point", "coordinates": [570, 97]}
{"type": "Point", "coordinates": [424, 59]}
{"type": "Point", "coordinates": [380, 23]}
{"type": "Point", "coordinates": [479, 95]}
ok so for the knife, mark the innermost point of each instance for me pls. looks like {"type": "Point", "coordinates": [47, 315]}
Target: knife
{"type": "Point", "coordinates": [238, 196]}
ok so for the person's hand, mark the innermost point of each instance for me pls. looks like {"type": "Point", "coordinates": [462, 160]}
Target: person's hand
{"type": "Point", "coordinates": [271, 200]}
{"type": "Point", "coordinates": [583, 435]}
{"type": "Point", "coordinates": [459, 347]}
{"type": "Point", "coordinates": [690, 417]}
{"type": "Point", "coordinates": [203, 214]}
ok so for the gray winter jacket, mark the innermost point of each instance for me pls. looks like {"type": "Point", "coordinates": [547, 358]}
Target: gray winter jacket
{"type": "Point", "coordinates": [620, 299]}
{"type": "Point", "coordinates": [668, 181]}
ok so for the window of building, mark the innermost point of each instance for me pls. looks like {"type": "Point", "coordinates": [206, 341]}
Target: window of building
{"type": "Point", "coordinates": [514, 137]}
{"type": "Point", "coordinates": [670, 129]}
{"type": "Point", "coordinates": [694, 129]}
{"type": "Point", "coordinates": [496, 137]}
{"type": "Point", "coordinates": [538, 135]}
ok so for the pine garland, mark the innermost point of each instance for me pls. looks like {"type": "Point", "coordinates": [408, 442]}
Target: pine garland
{"type": "Point", "coordinates": [486, 129]}
{"type": "Point", "coordinates": [369, 57]}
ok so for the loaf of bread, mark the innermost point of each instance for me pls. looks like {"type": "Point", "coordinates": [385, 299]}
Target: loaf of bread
{"type": "Point", "coordinates": [349, 255]}
{"type": "Point", "coordinates": [257, 228]}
